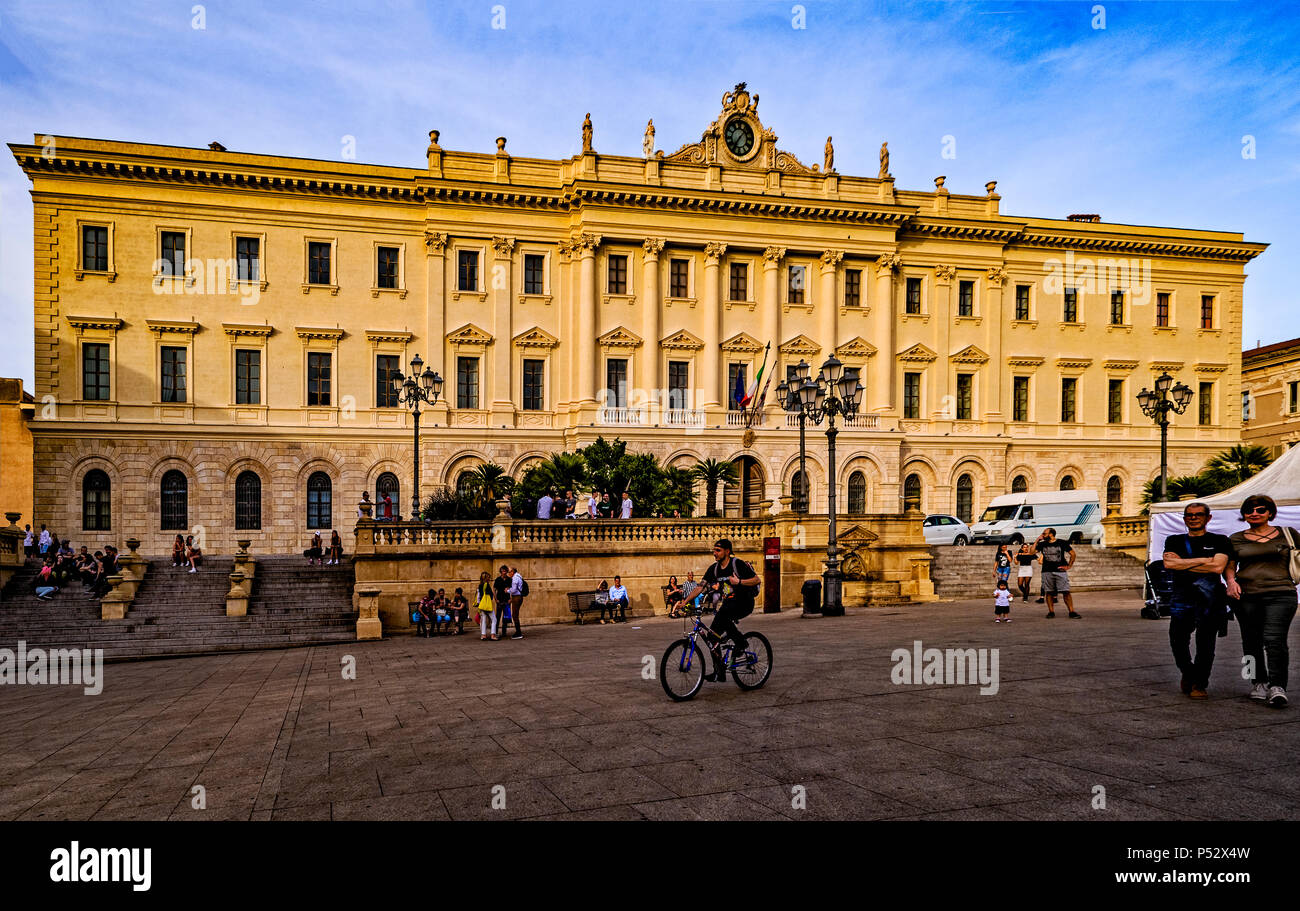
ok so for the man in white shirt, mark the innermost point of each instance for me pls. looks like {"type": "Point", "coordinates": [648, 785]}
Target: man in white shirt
{"type": "Point", "coordinates": [544, 506]}
{"type": "Point", "coordinates": [627, 505]}
{"type": "Point", "coordinates": [618, 595]}
{"type": "Point", "coordinates": [593, 505]}
{"type": "Point", "coordinates": [516, 602]}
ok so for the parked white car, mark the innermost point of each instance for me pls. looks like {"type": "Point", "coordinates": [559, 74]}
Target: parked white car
{"type": "Point", "coordinates": [946, 530]}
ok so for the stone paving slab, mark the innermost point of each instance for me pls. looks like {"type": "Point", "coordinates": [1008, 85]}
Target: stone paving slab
{"type": "Point", "coordinates": [564, 725]}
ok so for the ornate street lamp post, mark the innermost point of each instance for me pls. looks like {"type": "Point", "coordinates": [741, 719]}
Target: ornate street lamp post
{"type": "Point", "coordinates": [411, 390]}
{"type": "Point", "coordinates": [1157, 405]}
{"type": "Point", "coordinates": [835, 391]}
{"type": "Point", "coordinates": [788, 397]}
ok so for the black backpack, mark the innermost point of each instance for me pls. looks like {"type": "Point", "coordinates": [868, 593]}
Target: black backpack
{"type": "Point", "coordinates": [523, 589]}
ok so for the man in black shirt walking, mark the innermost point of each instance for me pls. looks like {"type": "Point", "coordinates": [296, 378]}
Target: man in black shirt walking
{"type": "Point", "coordinates": [737, 583]}
{"type": "Point", "coordinates": [1199, 602]}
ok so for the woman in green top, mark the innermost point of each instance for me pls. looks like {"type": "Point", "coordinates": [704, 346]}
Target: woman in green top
{"type": "Point", "coordinates": [1258, 575]}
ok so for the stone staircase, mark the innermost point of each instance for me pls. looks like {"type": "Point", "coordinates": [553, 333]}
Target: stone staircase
{"type": "Point", "coordinates": [967, 572]}
{"type": "Point", "coordinates": [181, 613]}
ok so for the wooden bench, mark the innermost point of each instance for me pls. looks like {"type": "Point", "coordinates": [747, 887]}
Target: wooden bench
{"type": "Point", "coordinates": [581, 603]}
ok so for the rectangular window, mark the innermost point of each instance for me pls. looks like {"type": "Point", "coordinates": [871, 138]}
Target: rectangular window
{"type": "Point", "coordinates": [617, 274]}
{"type": "Point", "coordinates": [734, 371]}
{"type": "Point", "coordinates": [173, 254]}
{"type": "Point", "coordinates": [1020, 398]}
{"type": "Point", "coordinates": [94, 248]}
{"type": "Point", "coordinates": [912, 396]}
{"type": "Point", "coordinates": [466, 382]}
{"type": "Point", "coordinates": [965, 395]}
{"type": "Point", "coordinates": [679, 384]}
{"type": "Point", "coordinates": [318, 263]}
{"type": "Point", "coordinates": [913, 295]}
{"type": "Point", "coordinates": [796, 282]}
{"type": "Point", "coordinates": [1162, 309]}
{"type": "Point", "coordinates": [1022, 302]}
{"type": "Point", "coordinates": [616, 382]}
{"type": "Point", "coordinates": [386, 268]}
{"type": "Point", "coordinates": [1115, 402]}
{"type": "Point", "coordinates": [1293, 396]}
{"type": "Point", "coordinates": [318, 378]}
{"type": "Point", "coordinates": [248, 259]}
{"type": "Point", "coordinates": [1245, 404]}
{"type": "Point", "coordinates": [534, 398]}
{"type": "Point", "coordinates": [533, 279]}
{"type": "Point", "coordinates": [965, 298]}
{"type": "Point", "coordinates": [387, 366]}
{"type": "Point", "coordinates": [739, 282]}
{"type": "Point", "coordinates": [678, 277]}
{"type": "Point", "coordinates": [94, 372]}
{"type": "Point", "coordinates": [467, 270]}
{"type": "Point", "coordinates": [1205, 405]}
{"type": "Point", "coordinates": [1070, 312]}
{"type": "Point", "coordinates": [1117, 308]}
{"type": "Point", "coordinates": [248, 377]}
{"type": "Point", "coordinates": [1069, 408]}
{"type": "Point", "coordinates": [853, 287]}
{"type": "Point", "coordinates": [173, 374]}
{"type": "Point", "coordinates": [1207, 311]}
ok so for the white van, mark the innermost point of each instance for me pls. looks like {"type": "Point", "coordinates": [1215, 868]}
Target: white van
{"type": "Point", "coordinates": [1017, 517]}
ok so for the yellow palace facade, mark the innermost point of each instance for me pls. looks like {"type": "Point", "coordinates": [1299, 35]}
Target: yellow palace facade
{"type": "Point", "coordinates": [216, 331]}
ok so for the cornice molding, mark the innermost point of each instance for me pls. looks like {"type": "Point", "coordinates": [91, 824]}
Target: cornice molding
{"type": "Point", "coordinates": [376, 336]}
{"type": "Point", "coordinates": [307, 333]}
{"type": "Point", "coordinates": [240, 330]}
{"type": "Point", "coordinates": [159, 326]}
{"type": "Point", "coordinates": [82, 323]}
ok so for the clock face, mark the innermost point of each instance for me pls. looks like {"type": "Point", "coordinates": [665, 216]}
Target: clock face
{"type": "Point", "coordinates": [739, 136]}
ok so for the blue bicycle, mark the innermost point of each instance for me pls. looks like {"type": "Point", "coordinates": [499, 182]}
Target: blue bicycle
{"type": "Point", "coordinates": [683, 666]}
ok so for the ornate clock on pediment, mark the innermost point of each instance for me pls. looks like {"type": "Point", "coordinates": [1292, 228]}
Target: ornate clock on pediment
{"type": "Point", "coordinates": [738, 137]}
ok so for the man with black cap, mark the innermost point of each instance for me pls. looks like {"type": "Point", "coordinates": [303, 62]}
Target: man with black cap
{"type": "Point", "coordinates": [737, 583]}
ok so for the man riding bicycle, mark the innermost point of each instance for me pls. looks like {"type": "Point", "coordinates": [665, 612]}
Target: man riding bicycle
{"type": "Point", "coordinates": [733, 585]}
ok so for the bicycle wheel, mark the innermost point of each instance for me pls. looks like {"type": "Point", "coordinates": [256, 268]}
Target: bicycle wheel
{"type": "Point", "coordinates": [752, 671]}
{"type": "Point", "coordinates": [681, 671]}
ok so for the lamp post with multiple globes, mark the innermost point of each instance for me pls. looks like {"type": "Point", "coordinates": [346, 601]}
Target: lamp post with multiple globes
{"type": "Point", "coordinates": [835, 391]}
{"type": "Point", "coordinates": [1157, 405]}
{"type": "Point", "coordinates": [419, 387]}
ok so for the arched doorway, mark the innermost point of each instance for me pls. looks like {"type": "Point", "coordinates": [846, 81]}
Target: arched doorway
{"type": "Point", "coordinates": [743, 499]}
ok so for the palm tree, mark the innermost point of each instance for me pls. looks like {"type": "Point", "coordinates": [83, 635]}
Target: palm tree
{"type": "Point", "coordinates": [489, 483]}
{"type": "Point", "coordinates": [1192, 485]}
{"type": "Point", "coordinates": [1232, 466]}
{"type": "Point", "coordinates": [566, 471]}
{"type": "Point", "coordinates": [713, 473]}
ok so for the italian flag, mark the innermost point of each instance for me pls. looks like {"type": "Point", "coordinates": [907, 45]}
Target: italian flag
{"type": "Point", "coordinates": [747, 399]}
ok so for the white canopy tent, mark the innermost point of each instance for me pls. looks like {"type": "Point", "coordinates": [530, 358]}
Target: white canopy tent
{"type": "Point", "coordinates": [1281, 481]}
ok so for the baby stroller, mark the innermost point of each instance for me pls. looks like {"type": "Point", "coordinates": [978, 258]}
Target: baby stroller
{"type": "Point", "coordinates": [1157, 591]}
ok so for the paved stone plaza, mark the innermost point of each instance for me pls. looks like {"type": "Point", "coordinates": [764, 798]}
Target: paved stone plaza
{"type": "Point", "coordinates": [565, 722]}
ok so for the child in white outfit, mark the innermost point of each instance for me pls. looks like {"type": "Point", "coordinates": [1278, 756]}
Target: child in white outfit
{"type": "Point", "coordinates": [1002, 603]}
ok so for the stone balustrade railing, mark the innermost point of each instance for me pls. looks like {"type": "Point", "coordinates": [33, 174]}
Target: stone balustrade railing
{"type": "Point", "coordinates": [387, 537]}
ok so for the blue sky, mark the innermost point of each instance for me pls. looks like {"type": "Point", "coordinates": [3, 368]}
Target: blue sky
{"type": "Point", "coordinates": [1142, 121]}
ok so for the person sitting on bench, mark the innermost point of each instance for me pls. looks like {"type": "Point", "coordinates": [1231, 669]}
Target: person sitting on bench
{"type": "Point", "coordinates": [617, 598]}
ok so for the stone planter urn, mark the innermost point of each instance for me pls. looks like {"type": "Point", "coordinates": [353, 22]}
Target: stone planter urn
{"type": "Point", "coordinates": [13, 518]}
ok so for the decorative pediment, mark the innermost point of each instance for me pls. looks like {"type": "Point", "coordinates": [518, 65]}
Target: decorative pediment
{"type": "Point", "coordinates": [307, 333]}
{"type": "Point", "coordinates": [801, 345]}
{"type": "Point", "coordinates": [469, 335]}
{"type": "Point", "coordinates": [971, 354]}
{"type": "Point", "coordinates": [855, 536]}
{"type": "Point", "coordinates": [743, 343]}
{"type": "Point", "coordinates": [82, 323]}
{"type": "Point", "coordinates": [246, 330]}
{"type": "Point", "coordinates": [536, 337]}
{"type": "Point", "coordinates": [1025, 360]}
{"type": "Point", "coordinates": [159, 326]}
{"type": "Point", "coordinates": [619, 337]}
{"type": "Point", "coordinates": [918, 353]}
{"type": "Point", "coordinates": [682, 340]}
{"type": "Point", "coordinates": [856, 347]}
{"type": "Point", "coordinates": [376, 336]}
